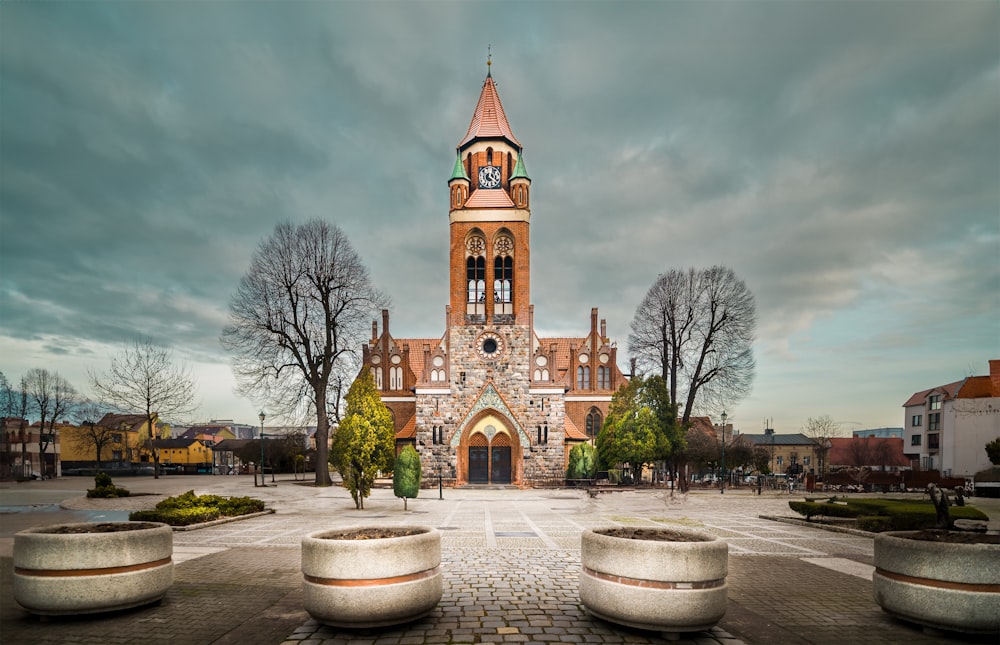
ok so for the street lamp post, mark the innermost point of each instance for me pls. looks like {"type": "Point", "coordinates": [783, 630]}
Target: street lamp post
{"type": "Point", "coordinates": [723, 491]}
{"type": "Point", "coordinates": [262, 415]}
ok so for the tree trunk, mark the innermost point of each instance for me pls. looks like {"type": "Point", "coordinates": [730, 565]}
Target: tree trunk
{"type": "Point", "coordinates": [322, 439]}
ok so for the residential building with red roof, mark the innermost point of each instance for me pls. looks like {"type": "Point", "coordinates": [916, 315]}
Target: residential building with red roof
{"type": "Point", "coordinates": [490, 401]}
{"type": "Point", "coordinates": [947, 427]}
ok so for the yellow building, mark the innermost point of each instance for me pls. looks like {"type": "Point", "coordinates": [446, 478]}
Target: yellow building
{"type": "Point", "coordinates": [123, 439]}
{"type": "Point", "coordinates": [190, 454]}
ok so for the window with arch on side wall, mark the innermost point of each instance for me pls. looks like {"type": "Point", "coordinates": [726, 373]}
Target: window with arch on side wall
{"type": "Point", "coordinates": [377, 375]}
{"type": "Point", "coordinates": [604, 377]}
{"type": "Point", "coordinates": [593, 422]}
{"type": "Point", "coordinates": [395, 378]}
{"type": "Point", "coordinates": [582, 377]}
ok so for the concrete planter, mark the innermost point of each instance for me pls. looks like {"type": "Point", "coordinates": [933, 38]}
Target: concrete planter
{"type": "Point", "coordinates": [105, 566]}
{"type": "Point", "coordinates": [657, 579]}
{"type": "Point", "coordinates": [360, 583]}
{"type": "Point", "coordinates": [941, 585]}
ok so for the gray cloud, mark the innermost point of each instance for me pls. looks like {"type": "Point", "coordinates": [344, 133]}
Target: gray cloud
{"type": "Point", "coordinates": [841, 157]}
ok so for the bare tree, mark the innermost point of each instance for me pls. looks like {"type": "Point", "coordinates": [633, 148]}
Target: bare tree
{"type": "Point", "coordinates": [52, 397]}
{"type": "Point", "coordinates": [821, 430]}
{"type": "Point", "coordinates": [8, 398]}
{"type": "Point", "coordinates": [144, 378]}
{"type": "Point", "coordinates": [298, 320]}
{"type": "Point", "coordinates": [15, 405]}
{"type": "Point", "coordinates": [696, 329]}
{"type": "Point", "coordinates": [92, 435]}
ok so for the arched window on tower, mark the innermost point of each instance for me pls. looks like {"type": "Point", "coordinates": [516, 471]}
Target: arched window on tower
{"type": "Point", "coordinates": [377, 375]}
{"type": "Point", "coordinates": [503, 275]}
{"type": "Point", "coordinates": [476, 276]}
{"type": "Point", "coordinates": [583, 377]}
{"type": "Point", "coordinates": [593, 423]}
{"type": "Point", "coordinates": [503, 285]}
{"type": "Point", "coordinates": [395, 378]}
{"type": "Point", "coordinates": [603, 377]}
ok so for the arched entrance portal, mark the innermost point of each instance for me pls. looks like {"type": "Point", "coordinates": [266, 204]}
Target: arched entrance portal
{"type": "Point", "coordinates": [487, 455]}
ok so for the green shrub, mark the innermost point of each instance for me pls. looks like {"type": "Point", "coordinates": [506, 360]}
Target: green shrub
{"type": "Point", "coordinates": [105, 488]}
{"type": "Point", "coordinates": [582, 462]}
{"type": "Point", "coordinates": [240, 506]}
{"type": "Point", "coordinates": [406, 474]}
{"type": "Point", "coordinates": [188, 508]}
{"type": "Point", "coordinates": [808, 508]}
{"type": "Point", "coordinates": [886, 514]}
{"type": "Point", "coordinates": [177, 516]}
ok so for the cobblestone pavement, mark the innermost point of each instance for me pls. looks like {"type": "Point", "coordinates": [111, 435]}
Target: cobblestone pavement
{"type": "Point", "coordinates": [511, 560]}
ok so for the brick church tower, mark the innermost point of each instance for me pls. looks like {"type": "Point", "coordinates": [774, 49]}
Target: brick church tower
{"type": "Point", "coordinates": [489, 402]}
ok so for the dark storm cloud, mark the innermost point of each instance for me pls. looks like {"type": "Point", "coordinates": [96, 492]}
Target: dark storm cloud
{"type": "Point", "coordinates": [841, 157]}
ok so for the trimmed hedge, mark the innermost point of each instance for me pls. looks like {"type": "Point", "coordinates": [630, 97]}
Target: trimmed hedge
{"type": "Point", "coordinates": [188, 508]}
{"type": "Point", "coordinates": [828, 509]}
{"type": "Point", "coordinates": [886, 514]}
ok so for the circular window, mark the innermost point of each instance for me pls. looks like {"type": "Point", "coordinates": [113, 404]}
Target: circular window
{"type": "Point", "coordinates": [438, 361]}
{"type": "Point", "coordinates": [376, 359]}
{"type": "Point", "coordinates": [541, 361]}
{"type": "Point", "coordinates": [584, 358]}
{"type": "Point", "coordinates": [490, 346]}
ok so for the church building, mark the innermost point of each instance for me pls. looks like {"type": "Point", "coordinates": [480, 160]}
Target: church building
{"type": "Point", "coordinates": [489, 401]}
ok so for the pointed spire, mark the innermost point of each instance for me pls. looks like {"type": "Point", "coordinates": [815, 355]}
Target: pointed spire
{"type": "Point", "coordinates": [489, 120]}
{"type": "Point", "coordinates": [458, 172]}
{"type": "Point", "coordinates": [519, 169]}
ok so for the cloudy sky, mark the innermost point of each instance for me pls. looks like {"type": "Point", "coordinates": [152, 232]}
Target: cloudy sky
{"type": "Point", "coordinates": [842, 157]}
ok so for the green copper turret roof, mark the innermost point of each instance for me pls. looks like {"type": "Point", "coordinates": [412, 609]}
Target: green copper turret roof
{"type": "Point", "coordinates": [459, 171]}
{"type": "Point", "coordinates": [519, 170]}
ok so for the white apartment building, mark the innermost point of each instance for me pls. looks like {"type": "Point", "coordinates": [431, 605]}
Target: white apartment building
{"type": "Point", "coordinates": [947, 427]}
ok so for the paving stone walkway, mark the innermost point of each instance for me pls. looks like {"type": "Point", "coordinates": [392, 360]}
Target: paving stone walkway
{"type": "Point", "coordinates": [511, 561]}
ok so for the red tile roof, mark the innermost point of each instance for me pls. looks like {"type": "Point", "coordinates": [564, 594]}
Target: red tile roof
{"type": "Point", "coordinates": [409, 431]}
{"type": "Point", "coordinates": [489, 120]}
{"type": "Point", "coordinates": [489, 198]}
{"type": "Point", "coordinates": [921, 397]}
{"type": "Point", "coordinates": [976, 387]}
{"type": "Point", "coordinates": [572, 432]}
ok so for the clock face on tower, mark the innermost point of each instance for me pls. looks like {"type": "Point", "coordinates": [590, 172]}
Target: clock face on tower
{"type": "Point", "coordinates": [489, 177]}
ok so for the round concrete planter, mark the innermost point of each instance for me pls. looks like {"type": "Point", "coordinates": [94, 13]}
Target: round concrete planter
{"type": "Point", "coordinates": [657, 579]}
{"type": "Point", "coordinates": [106, 566]}
{"type": "Point", "coordinates": [360, 583]}
{"type": "Point", "coordinates": [940, 585]}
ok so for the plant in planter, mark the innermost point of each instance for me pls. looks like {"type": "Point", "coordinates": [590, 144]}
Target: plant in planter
{"type": "Point", "coordinates": [940, 578]}
{"type": "Point", "coordinates": [371, 576]}
{"type": "Point", "coordinates": [657, 579]}
{"type": "Point", "coordinates": [92, 567]}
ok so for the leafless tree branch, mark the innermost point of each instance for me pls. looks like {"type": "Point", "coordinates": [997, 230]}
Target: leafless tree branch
{"type": "Point", "coordinates": [297, 322]}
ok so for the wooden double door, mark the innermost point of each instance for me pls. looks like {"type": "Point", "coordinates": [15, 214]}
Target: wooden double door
{"type": "Point", "coordinates": [489, 462]}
